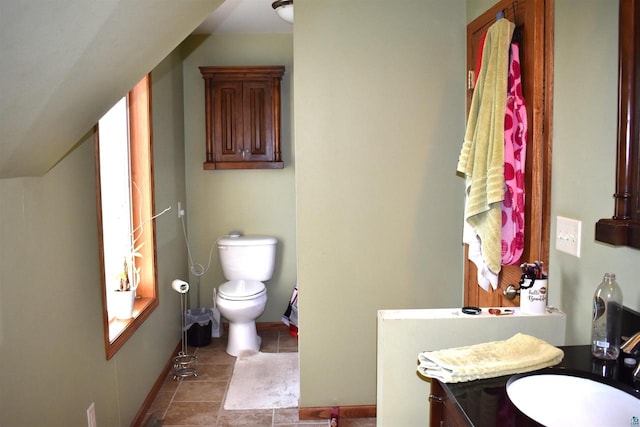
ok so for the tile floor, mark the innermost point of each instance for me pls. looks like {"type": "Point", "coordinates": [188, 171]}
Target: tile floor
{"type": "Point", "coordinates": [199, 401]}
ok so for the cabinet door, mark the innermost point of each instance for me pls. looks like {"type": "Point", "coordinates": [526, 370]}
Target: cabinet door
{"type": "Point", "coordinates": [258, 121]}
{"type": "Point", "coordinates": [443, 410]}
{"type": "Point", "coordinates": [534, 18]}
{"type": "Point", "coordinates": [227, 121]}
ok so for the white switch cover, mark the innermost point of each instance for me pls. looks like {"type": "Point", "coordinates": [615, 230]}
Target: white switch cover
{"type": "Point", "coordinates": [568, 235]}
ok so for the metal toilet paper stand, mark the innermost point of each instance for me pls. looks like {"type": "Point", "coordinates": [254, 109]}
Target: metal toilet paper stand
{"type": "Point", "coordinates": [184, 363]}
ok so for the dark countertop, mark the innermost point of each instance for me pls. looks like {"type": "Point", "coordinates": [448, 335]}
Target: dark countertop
{"type": "Point", "coordinates": [485, 402]}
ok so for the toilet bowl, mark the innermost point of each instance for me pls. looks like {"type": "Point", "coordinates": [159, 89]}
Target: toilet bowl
{"type": "Point", "coordinates": [241, 302]}
{"type": "Point", "coordinates": [247, 262]}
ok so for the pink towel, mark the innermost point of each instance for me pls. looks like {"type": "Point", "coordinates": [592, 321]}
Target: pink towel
{"type": "Point", "coordinates": [515, 152]}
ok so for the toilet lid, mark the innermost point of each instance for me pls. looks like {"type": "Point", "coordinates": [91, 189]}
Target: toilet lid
{"type": "Point", "coordinates": [241, 289]}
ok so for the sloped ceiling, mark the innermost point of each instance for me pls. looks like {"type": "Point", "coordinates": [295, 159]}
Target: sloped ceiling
{"type": "Point", "coordinates": [64, 63]}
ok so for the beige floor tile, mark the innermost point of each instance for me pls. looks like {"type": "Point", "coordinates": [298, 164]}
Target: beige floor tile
{"type": "Point", "coordinates": [200, 391]}
{"type": "Point", "coordinates": [216, 343]}
{"type": "Point", "coordinates": [212, 372]}
{"type": "Point", "coordinates": [289, 417]}
{"type": "Point", "coordinates": [269, 342]}
{"type": "Point", "coordinates": [198, 401]}
{"type": "Point", "coordinates": [169, 384]}
{"type": "Point", "coordinates": [216, 355]}
{"type": "Point", "coordinates": [161, 402]}
{"type": "Point", "coordinates": [287, 343]}
{"type": "Point", "coordinates": [257, 418]}
{"type": "Point", "coordinates": [191, 414]}
{"type": "Point", "coordinates": [153, 419]}
{"type": "Point", "coordinates": [286, 416]}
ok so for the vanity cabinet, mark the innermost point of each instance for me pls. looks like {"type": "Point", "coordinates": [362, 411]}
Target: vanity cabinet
{"type": "Point", "coordinates": [242, 112]}
{"type": "Point", "coordinates": [443, 409]}
{"type": "Point", "coordinates": [448, 411]}
{"type": "Point", "coordinates": [485, 402]}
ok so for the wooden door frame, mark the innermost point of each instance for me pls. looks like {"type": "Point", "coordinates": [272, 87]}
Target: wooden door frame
{"type": "Point", "coordinates": [539, 22]}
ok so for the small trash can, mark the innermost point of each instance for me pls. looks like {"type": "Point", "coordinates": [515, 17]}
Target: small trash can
{"type": "Point", "coordinates": [197, 323]}
{"type": "Point", "coordinates": [290, 317]}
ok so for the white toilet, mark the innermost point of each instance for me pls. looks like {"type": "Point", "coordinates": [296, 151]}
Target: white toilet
{"type": "Point", "coordinates": [247, 261]}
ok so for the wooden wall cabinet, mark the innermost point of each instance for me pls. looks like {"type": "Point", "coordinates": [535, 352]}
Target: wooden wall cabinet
{"type": "Point", "coordinates": [242, 111]}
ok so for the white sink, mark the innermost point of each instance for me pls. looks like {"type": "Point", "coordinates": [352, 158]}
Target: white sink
{"type": "Point", "coordinates": [567, 400]}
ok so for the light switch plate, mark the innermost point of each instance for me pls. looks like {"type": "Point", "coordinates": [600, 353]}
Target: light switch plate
{"type": "Point", "coordinates": [568, 235]}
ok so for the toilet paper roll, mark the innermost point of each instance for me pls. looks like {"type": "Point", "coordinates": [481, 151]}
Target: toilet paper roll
{"type": "Point", "coordinates": [180, 286]}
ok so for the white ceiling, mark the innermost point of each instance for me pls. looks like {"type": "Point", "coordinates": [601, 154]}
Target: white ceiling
{"type": "Point", "coordinates": [244, 16]}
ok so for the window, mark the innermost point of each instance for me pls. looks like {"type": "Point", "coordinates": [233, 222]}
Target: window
{"type": "Point", "coordinates": [125, 200]}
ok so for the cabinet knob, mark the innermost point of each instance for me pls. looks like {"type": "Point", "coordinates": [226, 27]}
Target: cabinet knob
{"type": "Point", "coordinates": [434, 398]}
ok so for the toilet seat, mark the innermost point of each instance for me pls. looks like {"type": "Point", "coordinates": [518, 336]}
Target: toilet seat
{"type": "Point", "coordinates": [241, 290]}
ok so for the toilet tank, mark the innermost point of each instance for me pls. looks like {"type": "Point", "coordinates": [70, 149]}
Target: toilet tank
{"type": "Point", "coordinates": [247, 257]}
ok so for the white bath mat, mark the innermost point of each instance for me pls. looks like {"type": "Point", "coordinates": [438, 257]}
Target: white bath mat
{"type": "Point", "coordinates": [264, 381]}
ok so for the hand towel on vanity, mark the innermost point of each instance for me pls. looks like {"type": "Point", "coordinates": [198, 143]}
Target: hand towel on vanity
{"type": "Point", "coordinates": [482, 156]}
{"type": "Point", "coordinates": [520, 353]}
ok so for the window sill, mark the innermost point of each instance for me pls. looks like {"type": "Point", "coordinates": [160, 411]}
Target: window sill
{"type": "Point", "coordinates": [121, 330]}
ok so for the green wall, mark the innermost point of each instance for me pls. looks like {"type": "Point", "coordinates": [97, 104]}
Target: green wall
{"type": "Point", "coordinates": [379, 122]}
{"type": "Point", "coordinates": [371, 218]}
{"type": "Point", "coordinates": [51, 337]}
{"type": "Point", "coordinates": [252, 201]}
{"type": "Point", "coordinates": [584, 147]}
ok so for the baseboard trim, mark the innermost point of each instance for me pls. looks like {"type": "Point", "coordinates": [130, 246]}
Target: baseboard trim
{"type": "Point", "coordinates": [326, 412]}
{"type": "Point", "coordinates": [262, 326]}
{"type": "Point", "coordinates": [272, 326]}
{"type": "Point", "coordinates": [146, 405]}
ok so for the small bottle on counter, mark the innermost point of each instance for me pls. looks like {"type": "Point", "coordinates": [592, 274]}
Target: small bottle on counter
{"type": "Point", "coordinates": [607, 318]}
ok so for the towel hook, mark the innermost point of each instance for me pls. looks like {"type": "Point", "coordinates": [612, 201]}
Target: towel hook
{"type": "Point", "coordinates": [503, 13]}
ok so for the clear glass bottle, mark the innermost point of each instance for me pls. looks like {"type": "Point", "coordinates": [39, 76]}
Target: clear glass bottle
{"type": "Point", "coordinates": [607, 317]}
